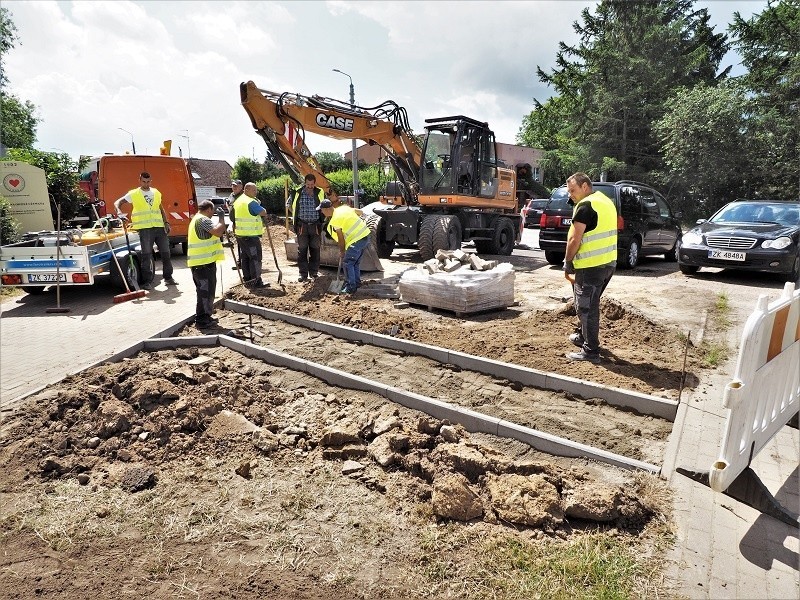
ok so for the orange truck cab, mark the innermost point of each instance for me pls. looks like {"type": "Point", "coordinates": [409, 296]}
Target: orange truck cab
{"type": "Point", "coordinates": [118, 174]}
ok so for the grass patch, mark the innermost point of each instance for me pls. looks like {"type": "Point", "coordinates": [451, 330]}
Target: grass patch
{"type": "Point", "coordinates": [721, 313]}
{"type": "Point", "coordinates": [714, 353]}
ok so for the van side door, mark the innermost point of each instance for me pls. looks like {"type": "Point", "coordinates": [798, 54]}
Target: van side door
{"type": "Point", "coordinates": [669, 234]}
{"type": "Point", "coordinates": [652, 222]}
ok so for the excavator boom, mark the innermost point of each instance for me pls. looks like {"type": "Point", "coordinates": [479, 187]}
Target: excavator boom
{"type": "Point", "coordinates": [283, 119]}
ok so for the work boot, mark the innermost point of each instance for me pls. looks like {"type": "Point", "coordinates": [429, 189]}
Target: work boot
{"type": "Point", "coordinates": [302, 279]}
{"type": "Point", "coordinates": [583, 356]}
{"type": "Point", "coordinates": [577, 339]}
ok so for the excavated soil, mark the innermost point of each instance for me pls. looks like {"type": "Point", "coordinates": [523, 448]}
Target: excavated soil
{"type": "Point", "coordinates": [202, 473]}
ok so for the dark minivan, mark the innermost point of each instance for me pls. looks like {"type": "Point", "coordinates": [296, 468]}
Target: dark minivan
{"type": "Point", "coordinates": [647, 225]}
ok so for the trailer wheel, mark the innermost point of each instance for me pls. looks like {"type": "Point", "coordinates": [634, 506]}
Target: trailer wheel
{"type": "Point", "coordinates": [132, 273]}
{"type": "Point", "coordinates": [504, 237]}
{"type": "Point", "coordinates": [438, 232]}
{"type": "Point", "coordinates": [382, 246]}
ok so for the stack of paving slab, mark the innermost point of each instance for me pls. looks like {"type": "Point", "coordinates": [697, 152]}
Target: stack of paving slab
{"type": "Point", "coordinates": [459, 282]}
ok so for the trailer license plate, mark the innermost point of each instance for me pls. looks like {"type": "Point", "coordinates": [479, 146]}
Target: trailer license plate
{"type": "Point", "coordinates": [566, 221]}
{"type": "Point", "coordinates": [727, 255]}
{"type": "Point", "coordinates": [46, 277]}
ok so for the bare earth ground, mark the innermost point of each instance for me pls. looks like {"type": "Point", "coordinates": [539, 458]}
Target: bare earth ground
{"type": "Point", "coordinates": [203, 473]}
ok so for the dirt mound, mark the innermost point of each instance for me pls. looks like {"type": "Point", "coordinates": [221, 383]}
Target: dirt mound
{"type": "Point", "coordinates": [186, 457]}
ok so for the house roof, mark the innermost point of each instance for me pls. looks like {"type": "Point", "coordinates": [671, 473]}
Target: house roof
{"type": "Point", "coordinates": [216, 173]}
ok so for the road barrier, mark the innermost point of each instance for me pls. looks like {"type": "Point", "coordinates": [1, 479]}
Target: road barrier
{"type": "Point", "coordinates": [764, 394]}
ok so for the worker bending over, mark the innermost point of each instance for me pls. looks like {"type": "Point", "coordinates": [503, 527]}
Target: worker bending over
{"type": "Point", "coordinates": [352, 234]}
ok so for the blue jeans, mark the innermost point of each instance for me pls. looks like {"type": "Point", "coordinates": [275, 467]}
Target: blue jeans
{"type": "Point", "coordinates": [352, 262]}
{"type": "Point", "coordinates": [589, 286]}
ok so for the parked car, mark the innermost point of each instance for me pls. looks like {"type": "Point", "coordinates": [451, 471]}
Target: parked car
{"type": "Point", "coordinates": [750, 235]}
{"type": "Point", "coordinates": [532, 211]}
{"type": "Point", "coordinates": [646, 224]}
{"type": "Point", "coordinates": [220, 202]}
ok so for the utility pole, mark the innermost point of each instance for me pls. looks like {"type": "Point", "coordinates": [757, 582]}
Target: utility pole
{"type": "Point", "coordinates": [356, 199]}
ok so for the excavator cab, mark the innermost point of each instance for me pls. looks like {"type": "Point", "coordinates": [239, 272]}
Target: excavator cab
{"type": "Point", "coordinates": [459, 158]}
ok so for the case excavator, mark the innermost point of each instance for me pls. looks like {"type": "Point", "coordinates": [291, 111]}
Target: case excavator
{"type": "Point", "coordinates": [450, 188]}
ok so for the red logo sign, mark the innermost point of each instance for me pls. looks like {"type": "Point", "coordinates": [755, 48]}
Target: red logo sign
{"type": "Point", "coordinates": [13, 182]}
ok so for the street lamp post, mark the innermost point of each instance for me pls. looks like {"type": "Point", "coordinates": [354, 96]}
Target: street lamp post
{"type": "Point", "coordinates": [133, 146]}
{"type": "Point", "coordinates": [356, 200]}
{"type": "Point", "coordinates": [188, 147]}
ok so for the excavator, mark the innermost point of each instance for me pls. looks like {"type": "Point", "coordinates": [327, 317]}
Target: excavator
{"type": "Point", "coordinates": [450, 186]}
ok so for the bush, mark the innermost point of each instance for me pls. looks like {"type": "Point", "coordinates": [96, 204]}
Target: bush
{"type": "Point", "coordinates": [9, 227]}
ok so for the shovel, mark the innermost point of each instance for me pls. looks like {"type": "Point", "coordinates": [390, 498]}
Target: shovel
{"type": "Point", "coordinates": [336, 286]}
{"type": "Point", "coordinates": [274, 256]}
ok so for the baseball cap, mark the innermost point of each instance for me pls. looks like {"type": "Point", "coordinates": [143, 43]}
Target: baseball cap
{"type": "Point", "coordinates": [324, 204]}
{"type": "Point", "coordinates": [236, 182]}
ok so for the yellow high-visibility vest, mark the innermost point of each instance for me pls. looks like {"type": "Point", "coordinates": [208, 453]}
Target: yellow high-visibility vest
{"type": "Point", "coordinates": [200, 251]}
{"type": "Point", "coordinates": [246, 224]}
{"type": "Point", "coordinates": [353, 227]}
{"type": "Point", "coordinates": [144, 216]}
{"type": "Point", "coordinates": [599, 246]}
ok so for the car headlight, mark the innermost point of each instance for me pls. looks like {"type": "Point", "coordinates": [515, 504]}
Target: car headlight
{"type": "Point", "coordinates": [692, 237]}
{"type": "Point", "coordinates": [778, 244]}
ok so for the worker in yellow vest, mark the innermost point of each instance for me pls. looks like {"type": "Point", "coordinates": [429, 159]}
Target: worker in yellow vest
{"type": "Point", "coordinates": [591, 255]}
{"type": "Point", "coordinates": [248, 226]}
{"type": "Point", "coordinates": [351, 233]}
{"type": "Point", "coordinates": [203, 253]}
{"type": "Point", "coordinates": [148, 218]}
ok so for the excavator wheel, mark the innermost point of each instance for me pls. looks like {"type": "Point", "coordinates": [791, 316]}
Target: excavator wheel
{"type": "Point", "coordinates": [504, 237]}
{"type": "Point", "coordinates": [438, 232]}
{"type": "Point", "coordinates": [383, 247]}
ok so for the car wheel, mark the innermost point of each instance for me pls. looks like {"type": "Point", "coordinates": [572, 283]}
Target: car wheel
{"type": "Point", "coordinates": [688, 269]}
{"type": "Point", "coordinates": [554, 258]}
{"type": "Point", "coordinates": [131, 273]}
{"type": "Point", "coordinates": [630, 259]}
{"type": "Point", "coordinates": [794, 275]}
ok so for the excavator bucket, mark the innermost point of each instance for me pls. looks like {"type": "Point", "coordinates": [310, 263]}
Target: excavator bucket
{"type": "Point", "coordinates": [329, 254]}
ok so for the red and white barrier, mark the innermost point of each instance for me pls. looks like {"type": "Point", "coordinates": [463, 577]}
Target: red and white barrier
{"type": "Point", "coordinates": [765, 391]}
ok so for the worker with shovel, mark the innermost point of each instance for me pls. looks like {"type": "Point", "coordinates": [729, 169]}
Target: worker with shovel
{"type": "Point", "coordinates": [248, 228]}
{"type": "Point", "coordinates": [204, 252]}
{"type": "Point", "coordinates": [353, 236]}
{"type": "Point", "coordinates": [591, 256]}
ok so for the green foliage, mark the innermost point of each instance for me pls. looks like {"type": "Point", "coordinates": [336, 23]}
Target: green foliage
{"type": "Point", "coordinates": [19, 122]}
{"type": "Point", "coordinates": [271, 193]}
{"type": "Point", "coordinates": [249, 170]}
{"type": "Point", "coordinates": [9, 227]}
{"type": "Point", "coordinates": [332, 161]}
{"type": "Point", "coordinates": [704, 142]}
{"type": "Point", "coordinates": [612, 85]}
{"type": "Point", "coordinates": [8, 39]}
{"type": "Point", "coordinates": [770, 48]}
{"type": "Point", "coordinates": [62, 175]}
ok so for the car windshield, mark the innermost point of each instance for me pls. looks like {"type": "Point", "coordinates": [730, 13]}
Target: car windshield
{"type": "Point", "coordinates": [758, 212]}
{"type": "Point", "coordinates": [559, 200]}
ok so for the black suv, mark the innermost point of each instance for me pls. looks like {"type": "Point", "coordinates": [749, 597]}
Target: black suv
{"type": "Point", "coordinates": [647, 224]}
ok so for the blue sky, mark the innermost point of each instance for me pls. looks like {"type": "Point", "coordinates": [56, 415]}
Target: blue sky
{"type": "Point", "coordinates": [171, 70]}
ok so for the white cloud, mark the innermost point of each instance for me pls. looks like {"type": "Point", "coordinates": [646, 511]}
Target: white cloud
{"type": "Point", "coordinates": [163, 70]}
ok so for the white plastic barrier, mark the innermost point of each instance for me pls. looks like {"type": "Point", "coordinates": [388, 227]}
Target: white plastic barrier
{"type": "Point", "coordinates": [765, 392]}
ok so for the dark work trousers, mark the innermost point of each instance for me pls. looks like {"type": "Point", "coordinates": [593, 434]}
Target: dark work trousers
{"type": "Point", "coordinates": [589, 286]}
{"type": "Point", "coordinates": [205, 282]}
{"type": "Point", "coordinates": [159, 237]}
{"type": "Point", "coordinates": [309, 239]}
{"type": "Point", "coordinates": [250, 255]}
{"type": "Point", "coordinates": [352, 263]}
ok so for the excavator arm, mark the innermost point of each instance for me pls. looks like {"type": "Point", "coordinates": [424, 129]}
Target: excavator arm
{"type": "Point", "coordinates": [274, 115]}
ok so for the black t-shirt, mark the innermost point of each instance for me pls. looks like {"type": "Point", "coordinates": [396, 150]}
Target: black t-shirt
{"type": "Point", "coordinates": [586, 215]}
